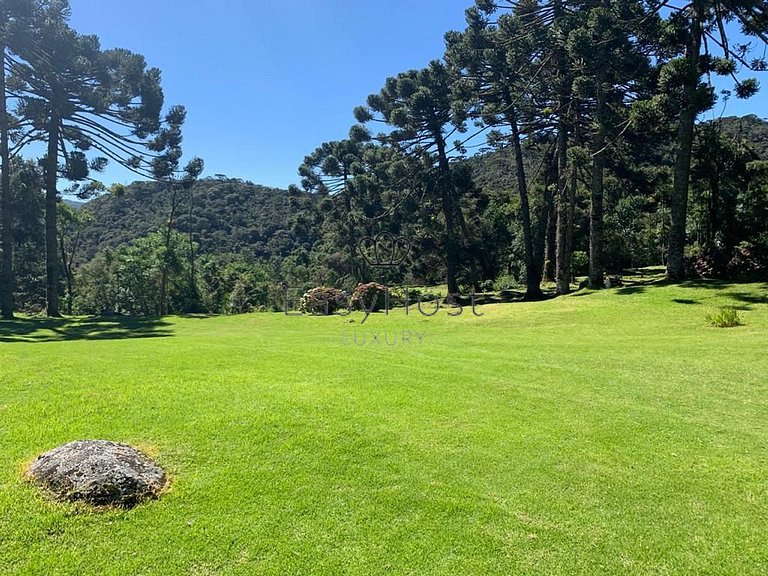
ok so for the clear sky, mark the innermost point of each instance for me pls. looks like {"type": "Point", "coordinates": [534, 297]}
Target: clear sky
{"type": "Point", "coordinates": [266, 82]}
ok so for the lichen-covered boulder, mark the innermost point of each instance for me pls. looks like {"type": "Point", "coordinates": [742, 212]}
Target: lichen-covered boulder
{"type": "Point", "coordinates": [98, 472]}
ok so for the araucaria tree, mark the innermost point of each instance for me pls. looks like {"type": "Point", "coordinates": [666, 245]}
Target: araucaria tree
{"type": "Point", "coordinates": [80, 100]}
{"type": "Point", "coordinates": [701, 27]}
{"type": "Point", "coordinates": [610, 69]}
{"type": "Point", "coordinates": [551, 23]}
{"type": "Point", "coordinates": [499, 63]}
{"type": "Point", "coordinates": [419, 108]}
{"type": "Point", "coordinates": [14, 18]}
{"type": "Point", "coordinates": [165, 168]}
{"type": "Point", "coordinates": [331, 169]}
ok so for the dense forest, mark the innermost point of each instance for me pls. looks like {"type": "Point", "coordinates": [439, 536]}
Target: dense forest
{"type": "Point", "coordinates": [552, 141]}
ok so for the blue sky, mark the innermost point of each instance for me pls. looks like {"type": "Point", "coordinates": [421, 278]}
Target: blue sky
{"type": "Point", "coordinates": [266, 82]}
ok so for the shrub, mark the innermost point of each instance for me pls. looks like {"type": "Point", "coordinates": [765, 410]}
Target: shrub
{"type": "Point", "coordinates": [505, 282]}
{"type": "Point", "coordinates": [486, 286]}
{"type": "Point", "coordinates": [369, 296]}
{"type": "Point", "coordinates": [579, 263]}
{"type": "Point", "coordinates": [749, 260]}
{"type": "Point", "coordinates": [323, 300]}
{"type": "Point", "coordinates": [725, 318]}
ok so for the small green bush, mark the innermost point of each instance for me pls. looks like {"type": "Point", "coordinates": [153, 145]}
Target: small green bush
{"type": "Point", "coordinates": [505, 282]}
{"type": "Point", "coordinates": [725, 318]}
{"type": "Point", "coordinates": [486, 286]}
{"type": "Point", "coordinates": [579, 263]}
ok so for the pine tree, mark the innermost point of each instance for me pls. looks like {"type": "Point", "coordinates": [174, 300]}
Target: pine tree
{"type": "Point", "coordinates": [80, 99]}
{"type": "Point", "coordinates": [419, 106]}
{"type": "Point", "coordinates": [13, 15]}
{"type": "Point", "coordinates": [703, 27]}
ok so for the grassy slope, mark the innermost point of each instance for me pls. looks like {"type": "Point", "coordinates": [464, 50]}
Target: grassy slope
{"type": "Point", "coordinates": [611, 432]}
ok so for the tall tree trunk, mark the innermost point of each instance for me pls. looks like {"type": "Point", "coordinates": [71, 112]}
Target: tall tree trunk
{"type": "Point", "coordinates": [547, 221]}
{"type": "Point", "coordinates": [350, 230]}
{"type": "Point", "coordinates": [550, 250]}
{"type": "Point", "coordinates": [68, 272]}
{"type": "Point", "coordinates": [713, 224]}
{"type": "Point", "coordinates": [596, 266]}
{"type": "Point", "coordinates": [679, 199]}
{"type": "Point", "coordinates": [51, 199]}
{"type": "Point", "coordinates": [468, 241]}
{"type": "Point", "coordinates": [6, 274]}
{"type": "Point", "coordinates": [446, 193]}
{"type": "Point", "coordinates": [573, 178]}
{"type": "Point", "coordinates": [532, 271]}
{"type": "Point", "coordinates": [164, 273]}
{"type": "Point", "coordinates": [563, 257]}
{"type": "Point", "coordinates": [563, 208]}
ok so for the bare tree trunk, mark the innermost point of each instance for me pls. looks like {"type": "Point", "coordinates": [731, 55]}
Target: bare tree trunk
{"type": "Point", "coordinates": [532, 271]}
{"type": "Point", "coordinates": [467, 240]}
{"type": "Point", "coordinates": [6, 275]}
{"type": "Point", "coordinates": [350, 230]}
{"type": "Point", "coordinates": [563, 257]}
{"type": "Point", "coordinates": [51, 200]}
{"type": "Point", "coordinates": [679, 199]}
{"type": "Point", "coordinates": [68, 273]}
{"type": "Point", "coordinates": [547, 220]}
{"type": "Point", "coordinates": [446, 192]}
{"type": "Point", "coordinates": [596, 266]}
{"type": "Point", "coordinates": [164, 273]}
{"type": "Point", "coordinates": [572, 185]}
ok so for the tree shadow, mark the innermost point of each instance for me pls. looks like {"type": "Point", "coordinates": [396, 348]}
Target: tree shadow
{"type": "Point", "coordinates": [747, 298]}
{"type": "Point", "coordinates": [628, 290]}
{"type": "Point", "coordinates": [685, 301]}
{"type": "Point", "coordinates": [707, 284]}
{"type": "Point", "coordinates": [743, 300]}
{"type": "Point", "coordinates": [98, 328]}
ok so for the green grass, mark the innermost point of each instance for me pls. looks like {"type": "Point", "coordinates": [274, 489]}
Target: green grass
{"type": "Point", "coordinates": [609, 432]}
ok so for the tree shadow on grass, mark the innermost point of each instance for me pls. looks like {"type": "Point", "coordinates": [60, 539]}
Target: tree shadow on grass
{"type": "Point", "coordinates": [743, 300]}
{"type": "Point", "coordinates": [633, 286]}
{"type": "Point", "coordinates": [61, 329]}
{"type": "Point", "coordinates": [748, 298]}
{"type": "Point", "coordinates": [712, 284]}
{"type": "Point", "coordinates": [628, 290]}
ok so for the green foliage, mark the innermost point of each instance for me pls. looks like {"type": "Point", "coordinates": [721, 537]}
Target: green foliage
{"type": "Point", "coordinates": [506, 282]}
{"type": "Point", "coordinates": [523, 71]}
{"type": "Point", "coordinates": [128, 279]}
{"type": "Point", "coordinates": [28, 234]}
{"type": "Point", "coordinates": [226, 216]}
{"type": "Point", "coordinates": [579, 262]}
{"type": "Point", "coordinates": [724, 318]}
{"type": "Point", "coordinates": [233, 285]}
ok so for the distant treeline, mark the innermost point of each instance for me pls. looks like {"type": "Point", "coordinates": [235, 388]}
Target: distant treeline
{"type": "Point", "coordinates": [592, 160]}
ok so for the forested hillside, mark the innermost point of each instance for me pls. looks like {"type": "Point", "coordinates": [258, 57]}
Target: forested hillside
{"type": "Point", "coordinates": [596, 163]}
{"type": "Point", "coordinates": [223, 215]}
{"type": "Point", "coordinates": [231, 216]}
{"type": "Point", "coordinates": [750, 129]}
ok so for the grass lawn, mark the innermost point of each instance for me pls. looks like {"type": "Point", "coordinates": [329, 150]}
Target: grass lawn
{"type": "Point", "coordinates": [609, 432]}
